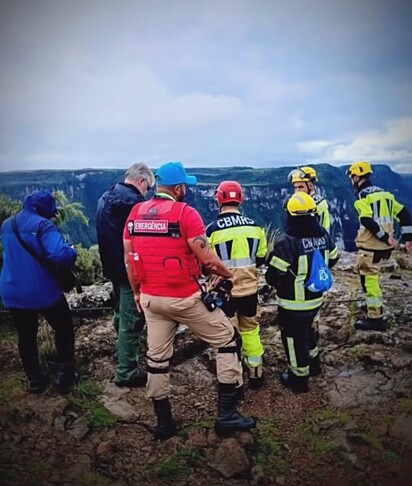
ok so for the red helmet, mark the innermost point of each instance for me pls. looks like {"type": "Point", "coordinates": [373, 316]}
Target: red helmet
{"type": "Point", "coordinates": [229, 191]}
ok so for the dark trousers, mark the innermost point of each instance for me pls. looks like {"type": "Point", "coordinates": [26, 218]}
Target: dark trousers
{"type": "Point", "coordinates": [27, 323]}
{"type": "Point", "coordinates": [299, 339]}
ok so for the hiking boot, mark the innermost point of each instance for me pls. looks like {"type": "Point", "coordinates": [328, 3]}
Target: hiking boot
{"type": "Point", "coordinates": [136, 381]}
{"type": "Point", "coordinates": [229, 420]}
{"type": "Point", "coordinates": [369, 324]}
{"type": "Point", "coordinates": [66, 377]}
{"type": "Point", "coordinates": [166, 426]}
{"type": "Point", "coordinates": [38, 382]}
{"type": "Point", "coordinates": [297, 384]}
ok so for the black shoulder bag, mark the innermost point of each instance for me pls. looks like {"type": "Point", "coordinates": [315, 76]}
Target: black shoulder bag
{"type": "Point", "coordinates": [65, 277]}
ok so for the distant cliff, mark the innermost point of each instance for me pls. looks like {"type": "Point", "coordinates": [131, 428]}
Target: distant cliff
{"type": "Point", "coordinates": [265, 191]}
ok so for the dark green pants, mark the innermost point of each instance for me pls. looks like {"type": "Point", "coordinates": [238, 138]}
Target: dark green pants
{"type": "Point", "coordinates": [128, 323]}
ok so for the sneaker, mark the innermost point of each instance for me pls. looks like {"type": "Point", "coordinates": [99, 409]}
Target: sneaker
{"type": "Point", "coordinates": [135, 382]}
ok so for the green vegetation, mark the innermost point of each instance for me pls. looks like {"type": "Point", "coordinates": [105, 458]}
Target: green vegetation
{"type": "Point", "coordinates": [177, 467]}
{"type": "Point", "coordinates": [96, 479]}
{"type": "Point", "coordinates": [405, 406]}
{"type": "Point", "coordinates": [83, 398]}
{"type": "Point", "coordinates": [88, 265]}
{"type": "Point", "coordinates": [313, 433]}
{"type": "Point", "coordinates": [269, 448]}
{"type": "Point", "coordinates": [11, 391]}
{"type": "Point", "coordinates": [8, 333]}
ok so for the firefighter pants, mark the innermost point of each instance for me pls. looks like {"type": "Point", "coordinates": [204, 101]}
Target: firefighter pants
{"type": "Point", "coordinates": [369, 263]}
{"type": "Point", "coordinates": [163, 315]}
{"type": "Point", "coordinates": [299, 338]}
{"type": "Point", "coordinates": [242, 312]}
{"type": "Point", "coordinates": [128, 323]}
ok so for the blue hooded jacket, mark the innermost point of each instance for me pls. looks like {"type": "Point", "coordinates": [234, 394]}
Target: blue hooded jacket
{"type": "Point", "coordinates": [26, 283]}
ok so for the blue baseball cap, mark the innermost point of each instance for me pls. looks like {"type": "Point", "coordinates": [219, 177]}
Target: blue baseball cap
{"type": "Point", "coordinates": [174, 173]}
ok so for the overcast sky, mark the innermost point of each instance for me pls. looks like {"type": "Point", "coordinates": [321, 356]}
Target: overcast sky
{"type": "Point", "coordinates": [105, 83]}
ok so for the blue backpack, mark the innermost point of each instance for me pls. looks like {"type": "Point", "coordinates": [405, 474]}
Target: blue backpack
{"type": "Point", "coordinates": [320, 278]}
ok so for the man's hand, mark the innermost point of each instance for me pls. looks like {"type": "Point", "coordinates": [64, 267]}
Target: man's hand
{"type": "Point", "coordinates": [408, 247]}
{"type": "Point", "coordinates": [137, 301]}
{"type": "Point", "coordinates": [392, 241]}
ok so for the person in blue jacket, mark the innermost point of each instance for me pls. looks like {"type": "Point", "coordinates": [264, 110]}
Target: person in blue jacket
{"type": "Point", "coordinates": [113, 209]}
{"type": "Point", "coordinates": [28, 288]}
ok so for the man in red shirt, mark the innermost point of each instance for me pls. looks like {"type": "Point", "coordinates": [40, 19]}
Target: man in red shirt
{"type": "Point", "coordinates": [165, 246]}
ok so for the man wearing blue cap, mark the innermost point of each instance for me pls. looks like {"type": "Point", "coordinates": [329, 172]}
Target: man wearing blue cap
{"type": "Point", "coordinates": [165, 247]}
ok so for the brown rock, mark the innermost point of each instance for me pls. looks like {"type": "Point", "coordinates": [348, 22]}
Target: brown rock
{"type": "Point", "coordinates": [197, 438]}
{"type": "Point", "coordinates": [230, 459]}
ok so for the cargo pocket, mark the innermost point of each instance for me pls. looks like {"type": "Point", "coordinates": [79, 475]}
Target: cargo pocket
{"type": "Point", "coordinates": [366, 263]}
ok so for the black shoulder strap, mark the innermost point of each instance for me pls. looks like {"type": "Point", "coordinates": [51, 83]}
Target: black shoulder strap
{"type": "Point", "coordinates": [24, 244]}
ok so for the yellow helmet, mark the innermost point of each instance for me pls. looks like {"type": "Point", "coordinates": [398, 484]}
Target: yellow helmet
{"type": "Point", "coordinates": [300, 204]}
{"type": "Point", "coordinates": [359, 168]}
{"type": "Point", "coordinates": [297, 175]}
{"type": "Point", "coordinates": [311, 172]}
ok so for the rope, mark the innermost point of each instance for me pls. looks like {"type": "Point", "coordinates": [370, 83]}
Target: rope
{"type": "Point", "coordinates": [332, 303]}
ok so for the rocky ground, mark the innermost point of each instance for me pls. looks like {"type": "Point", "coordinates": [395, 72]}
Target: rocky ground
{"type": "Point", "coordinates": [354, 427]}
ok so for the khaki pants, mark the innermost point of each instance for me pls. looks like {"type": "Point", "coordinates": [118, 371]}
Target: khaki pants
{"type": "Point", "coordinates": [163, 315]}
{"type": "Point", "coordinates": [369, 267]}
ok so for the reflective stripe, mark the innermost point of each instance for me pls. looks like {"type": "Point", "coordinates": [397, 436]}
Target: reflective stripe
{"type": "Point", "coordinates": [254, 248]}
{"type": "Point", "coordinates": [292, 355]}
{"type": "Point", "coordinates": [300, 278]}
{"type": "Point", "coordinates": [313, 352]}
{"type": "Point", "coordinates": [380, 233]}
{"type": "Point", "coordinates": [373, 301]}
{"type": "Point", "coordinates": [334, 253]}
{"type": "Point", "coordinates": [253, 361]}
{"type": "Point", "coordinates": [239, 262]}
{"type": "Point", "coordinates": [299, 370]}
{"type": "Point", "coordinates": [327, 253]}
{"type": "Point", "coordinates": [305, 305]}
{"type": "Point", "coordinates": [223, 251]}
{"type": "Point", "coordinates": [375, 210]}
{"type": "Point", "coordinates": [384, 220]}
{"type": "Point", "coordinates": [405, 230]}
{"type": "Point", "coordinates": [278, 263]}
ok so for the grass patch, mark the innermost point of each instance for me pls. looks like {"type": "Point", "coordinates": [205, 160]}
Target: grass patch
{"type": "Point", "coordinates": [96, 479]}
{"type": "Point", "coordinates": [177, 467]}
{"type": "Point", "coordinates": [8, 333]}
{"type": "Point", "coordinates": [83, 398]}
{"type": "Point", "coordinates": [391, 456]}
{"type": "Point", "coordinates": [405, 406]}
{"type": "Point", "coordinates": [11, 391]}
{"type": "Point", "coordinates": [269, 448]}
{"type": "Point", "coordinates": [313, 433]}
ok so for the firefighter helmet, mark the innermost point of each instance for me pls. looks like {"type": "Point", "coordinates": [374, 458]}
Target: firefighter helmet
{"type": "Point", "coordinates": [229, 192]}
{"type": "Point", "coordinates": [297, 175]}
{"type": "Point", "coordinates": [311, 172]}
{"type": "Point", "coordinates": [300, 204]}
{"type": "Point", "coordinates": [359, 169]}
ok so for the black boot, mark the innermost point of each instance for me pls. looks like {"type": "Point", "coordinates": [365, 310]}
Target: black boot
{"type": "Point", "coordinates": [369, 324]}
{"type": "Point", "coordinates": [228, 418]}
{"type": "Point", "coordinates": [38, 382]}
{"type": "Point", "coordinates": [166, 426]}
{"type": "Point", "coordinates": [297, 384]}
{"type": "Point", "coordinates": [66, 377]}
{"type": "Point", "coordinates": [314, 366]}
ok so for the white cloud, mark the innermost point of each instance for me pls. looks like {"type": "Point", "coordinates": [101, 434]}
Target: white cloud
{"type": "Point", "coordinates": [393, 142]}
